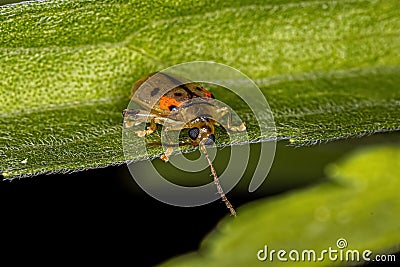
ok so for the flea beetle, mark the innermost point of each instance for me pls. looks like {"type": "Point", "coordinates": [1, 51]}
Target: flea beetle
{"type": "Point", "coordinates": [166, 99]}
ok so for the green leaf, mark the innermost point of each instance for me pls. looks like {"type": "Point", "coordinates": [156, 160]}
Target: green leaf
{"type": "Point", "coordinates": [359, 203]}
{"type": "Point", "coordinates": [329, 69]}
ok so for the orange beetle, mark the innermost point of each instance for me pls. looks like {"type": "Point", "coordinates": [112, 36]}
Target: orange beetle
{"type": "Point", "coordinates": [164, 99]}
{"type": "Point", "coordinates": [169, 100]}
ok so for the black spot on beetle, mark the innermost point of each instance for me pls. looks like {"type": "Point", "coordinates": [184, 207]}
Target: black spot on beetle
{"type": "Point", "coordinates": [155, 91]}
{"type": "Point", "coordinates": [173, 108]}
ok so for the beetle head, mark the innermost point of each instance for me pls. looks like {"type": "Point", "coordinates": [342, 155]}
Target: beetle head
{"type": "Point", "coordinates": [201, 131]}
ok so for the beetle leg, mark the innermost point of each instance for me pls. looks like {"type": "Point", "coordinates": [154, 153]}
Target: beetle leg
{"type": "Point", "coordinates": [165, 157]}
{"type": "Point", "coordinates": [175, 126]}
{"type": "Point", "coordinates": [149, 130]}
{"type": "Point", "coordinates": [170, 125]}
{"type": "Point", "coordinates": [136, 117]}
{"type": "Point", "coordinates": [223, 111]}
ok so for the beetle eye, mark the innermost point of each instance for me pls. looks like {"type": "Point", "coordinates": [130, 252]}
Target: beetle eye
{"type": "Point", "coordinates": [210, 141]}
{"type": "Point", "coordinates": [193, 133]}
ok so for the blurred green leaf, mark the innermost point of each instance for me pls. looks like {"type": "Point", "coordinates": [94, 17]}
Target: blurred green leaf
{"type": "Point", "coordinates": [359, 203]}
{"type": "Point", "coordinates": [330, 69]}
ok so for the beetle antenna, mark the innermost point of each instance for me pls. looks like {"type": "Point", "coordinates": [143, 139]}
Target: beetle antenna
{"type": "Point", "coordinates": [216, 182]}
